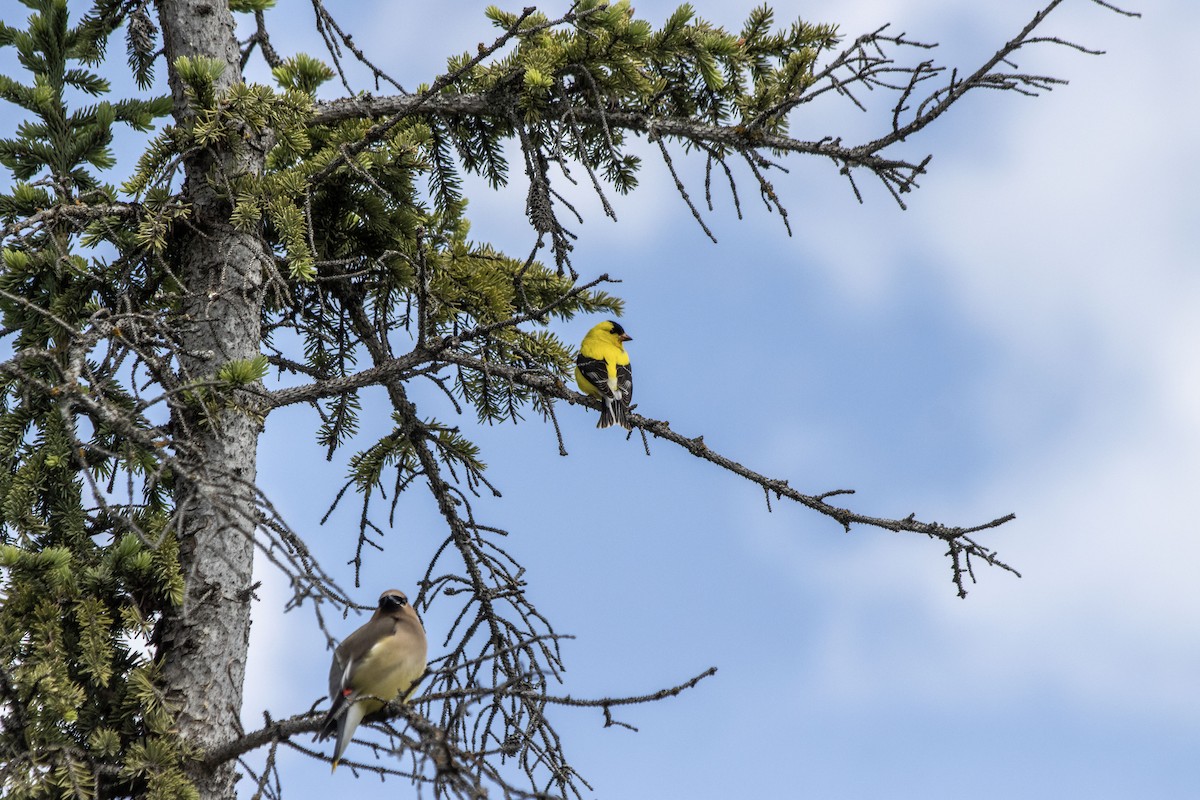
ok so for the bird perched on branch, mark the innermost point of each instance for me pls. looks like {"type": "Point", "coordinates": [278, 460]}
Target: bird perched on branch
{"type": "Point", "coordinates": [373, 665]}
{"type": "Point", "coordinates": [602, 370]}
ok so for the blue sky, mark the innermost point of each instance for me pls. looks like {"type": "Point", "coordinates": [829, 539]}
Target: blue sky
{"type": "Point", "coordinates": [1023, 338]}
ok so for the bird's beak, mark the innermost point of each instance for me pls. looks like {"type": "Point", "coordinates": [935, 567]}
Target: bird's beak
{"type": "Point", "coordinates": [625, 337]}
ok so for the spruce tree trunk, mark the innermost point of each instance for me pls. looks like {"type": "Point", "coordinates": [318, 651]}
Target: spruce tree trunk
{"type": "Point", "coordinates": [204, 642]}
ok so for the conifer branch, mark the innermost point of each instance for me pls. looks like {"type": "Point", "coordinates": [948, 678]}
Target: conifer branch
{"type": "Point", "coordinates": [866, 62]}
{"type": "Point", "coordinates": [79, 215]}
{"type": "Point", "coordinates": [961, 546]}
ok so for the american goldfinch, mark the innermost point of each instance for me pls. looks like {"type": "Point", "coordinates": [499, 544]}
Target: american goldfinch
{"type": "Point", "coordinates": [372, 666]}
{"type": "Point", "coordinates": [602, 370]}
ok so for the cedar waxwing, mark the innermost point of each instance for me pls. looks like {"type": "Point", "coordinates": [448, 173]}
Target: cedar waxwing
{"type": "Point", "coordinates": [602, 370]}
{"type": "Point", "coordinates": [372, 666]}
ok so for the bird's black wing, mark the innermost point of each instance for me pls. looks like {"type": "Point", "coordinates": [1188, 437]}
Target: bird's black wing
{"type": "Point", "coordinates": [625, 383]}
{"type": "Point", "coordinates": [596, 372]}
{"type": "Point", "coordinates": [620, 408]}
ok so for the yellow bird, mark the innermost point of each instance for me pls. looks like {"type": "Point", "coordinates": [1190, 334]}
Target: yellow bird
{"type": "Point", "coordinates": [602, 370]}
{"type": "Point", "coordinates": [372, 666]}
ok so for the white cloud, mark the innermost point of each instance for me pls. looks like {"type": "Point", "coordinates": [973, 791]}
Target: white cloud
{"type": "Point", "coordinates": [1077, 263]}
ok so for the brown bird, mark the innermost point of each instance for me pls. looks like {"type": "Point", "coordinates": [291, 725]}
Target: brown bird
{"type": "Point", "coordinates": [372, 666]}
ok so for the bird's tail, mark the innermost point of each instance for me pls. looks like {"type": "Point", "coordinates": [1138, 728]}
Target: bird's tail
{"type": "Point", "coordinates": [349, 722]}
{"type": "Point", "coordinates": [343, 722]}
{"type": "Point", "coordinates": [614, 413]}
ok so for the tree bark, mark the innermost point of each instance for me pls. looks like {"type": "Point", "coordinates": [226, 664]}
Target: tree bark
{"type": "Point", "coordinates": [204, 641]}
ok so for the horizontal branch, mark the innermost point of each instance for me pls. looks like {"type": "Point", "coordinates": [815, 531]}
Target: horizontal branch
{"type": "Point", "coordinates": [962, 548]}
{"type": "Point", "coordinates": [80, 214]}
{"type": "Point", "coordinates": [334, 387]}
{"type": "Point", "coordinates": [473, 106]}
{"type": "Point", "coordinates": [280, 730]}
{"type": "Point", "coordinates": [608, 702]}
{"type": "Point", "coordinates": [273, 731]}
